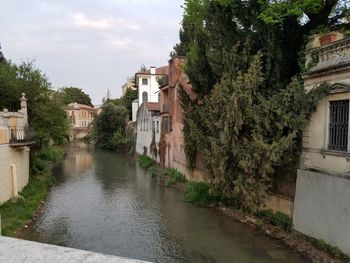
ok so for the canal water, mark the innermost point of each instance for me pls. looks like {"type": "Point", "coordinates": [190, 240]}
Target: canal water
{"type": "Point", "coordinates": [104, 202]}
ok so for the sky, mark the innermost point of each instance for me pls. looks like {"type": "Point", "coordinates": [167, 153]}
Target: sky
{"type": "Point", "coordinates": [91, 44]}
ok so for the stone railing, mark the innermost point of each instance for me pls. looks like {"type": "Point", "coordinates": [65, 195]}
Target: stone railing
{"type": "Point", "coordinates": [21, 135]}
{"type": "Point", "coordinates": [328, 56]}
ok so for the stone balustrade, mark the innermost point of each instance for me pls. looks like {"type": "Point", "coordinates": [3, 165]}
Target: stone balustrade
{"type": "Point", "coordinates": [326, 57]}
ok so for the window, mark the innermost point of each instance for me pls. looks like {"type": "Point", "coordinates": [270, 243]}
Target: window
{"type": "Point", "coordinates": [153, 126]}
{"type": "Point", "coordinates": [338, 125]}
{"type": "Point", "coordinates": [144, 96]}
{"type": "Point", "coordinates": [157, 126]}
{"type": "Point", "coordinates": [144, 81]}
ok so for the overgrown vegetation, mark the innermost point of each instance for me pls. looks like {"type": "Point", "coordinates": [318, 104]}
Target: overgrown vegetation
{"type": "Point", "coordinates": [173, 177]}
{"type": "Point", "coordinates": [52, 154]}
{"type": "Point", "coordinates": [146, 162]}
{"type": "Point", "coordinates": [198, 193]}
{"type": "Point", "coordinates": [15, 214]}
{"type": "Point", "coordinates": [276, 219]}
{"type": "Point", "coordinates": [251, 107]}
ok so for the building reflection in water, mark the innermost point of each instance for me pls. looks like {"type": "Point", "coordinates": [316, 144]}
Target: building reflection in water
{"type": "Point", "coordinates": [79, 158]}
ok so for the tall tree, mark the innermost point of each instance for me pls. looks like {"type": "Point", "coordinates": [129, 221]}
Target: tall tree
{"type": "Point", "coordinates": [250, 111]}
{"type": "Point", "coordinates": [72, 94]}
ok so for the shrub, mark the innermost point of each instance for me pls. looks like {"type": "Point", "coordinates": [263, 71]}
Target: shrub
{"type": "Point", "coordinates": [173, 177]}
{"type": "Point", "coordinates": [146, 162]}
{"type": "Point", "coordinates": [198, 193]}
{"type": "Point", "coordinates": [52, 153]}
{"type": "Point", "coordinates": [38, 166]}
{"type": "Point", "coordinates": [276, 219]}
{"type": "Point", "coordinates": [152, 171]}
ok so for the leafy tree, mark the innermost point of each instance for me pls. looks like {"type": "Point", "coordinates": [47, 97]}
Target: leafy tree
{"type": "Point", "coordinates": [250, 110]}
{"type": "Point", "coordinates": [69, 95]}
{"type": "Point", "coordinates": [126, 100]}
{"type": "Point", "coordinates": [110, 125]}
{"type": "Point", "coordinates": [46, 113]}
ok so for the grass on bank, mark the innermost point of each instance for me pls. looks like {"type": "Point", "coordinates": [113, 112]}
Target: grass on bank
{"type": "Point", "coordinates": [173, 177]}
{"type": "Point", "coordinates": [146, 162]}
{"type": "Point", "coordinates": [15, 214]}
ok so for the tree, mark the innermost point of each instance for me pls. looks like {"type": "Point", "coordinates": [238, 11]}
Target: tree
{"type": "Point", "coordinates": [248, 117]}
{"type": "Point", "coordinates": [69, 95]}
{"type": "Point", "coordinates": [110, 124]}
{"type": "Point", "coordinates": [46, 113]}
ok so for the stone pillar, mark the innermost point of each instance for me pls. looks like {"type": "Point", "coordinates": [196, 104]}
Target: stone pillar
{"type": "Point", "coordinates": [24, 109]}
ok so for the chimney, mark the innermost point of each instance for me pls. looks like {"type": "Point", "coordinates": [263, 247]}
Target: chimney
{"type": "Point", "coordinates": [153, 70]}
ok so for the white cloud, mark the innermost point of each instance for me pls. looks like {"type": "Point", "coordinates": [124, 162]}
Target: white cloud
{"type": "Point", "coordinates": [81, 20]}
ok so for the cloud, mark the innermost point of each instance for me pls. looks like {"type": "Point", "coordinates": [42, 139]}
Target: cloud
{"type": "Point", "coordinates": [81, 20]}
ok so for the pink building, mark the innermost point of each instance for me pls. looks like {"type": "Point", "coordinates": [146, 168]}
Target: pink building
{"type": "Point", "coordinates": [172, 141]}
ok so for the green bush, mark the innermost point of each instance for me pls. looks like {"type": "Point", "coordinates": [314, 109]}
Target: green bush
{"type": "Point", "coordinates": [38, 165]}
{"type": "Point", "coordinates": [146, 162]}
{"type": "Point", "coordinates": [152, 171]}
{"type": "Point", "coordinates": [198, 193]}
{"type": "Point", "coordinates": [276, 219]}
{"type": "Point", "coordinates": [173, 177]}
{"type": "Point", "coordinates": [53, 154]}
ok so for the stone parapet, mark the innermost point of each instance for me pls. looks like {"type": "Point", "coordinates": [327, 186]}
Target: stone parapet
{"type": "Point", "coordinates": [15, 250]}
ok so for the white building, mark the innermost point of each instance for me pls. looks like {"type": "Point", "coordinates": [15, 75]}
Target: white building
{"type": "Point", "coordinates": [148, 83]}
{"type": "Point", "coordinates": [15, 138]}
{"type": "Point", "coordinates": [148, 130]}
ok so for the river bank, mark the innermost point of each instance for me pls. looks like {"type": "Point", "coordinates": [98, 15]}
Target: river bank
{"type": "Point", "coordinates": [18, 214]}
{"type": "Point", "coordinates": [315, 251]}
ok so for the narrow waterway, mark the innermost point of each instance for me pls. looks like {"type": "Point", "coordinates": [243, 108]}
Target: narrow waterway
{"type": "Point", "coordinates": [104, 202]}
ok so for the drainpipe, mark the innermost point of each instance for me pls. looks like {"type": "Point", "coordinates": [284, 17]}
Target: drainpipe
{"type": "Point", "coordinates": [14, 180]}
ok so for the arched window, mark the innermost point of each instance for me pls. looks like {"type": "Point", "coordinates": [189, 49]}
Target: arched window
{"type": "Point", "coordinates": [144, 96]}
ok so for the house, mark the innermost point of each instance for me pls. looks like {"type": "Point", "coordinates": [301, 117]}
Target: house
{"type": "Point", "coordinates": [16, 136]}
{"type": "Point", "coordinates": [148, 83]}
{"type": "Point", "coordinates": [80, 117]}
{"type": "Point", "coordinates": [129, 84]}
{"type": "Point", "coordinates": [148, 130]}
{"type": "Point", "coordinates": [321, 205]}
{"type": "Point", "coordinates": [172, 139]}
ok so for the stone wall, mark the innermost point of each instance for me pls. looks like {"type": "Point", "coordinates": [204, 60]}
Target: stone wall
{"type": "Point", "coordinates": [321, 207]}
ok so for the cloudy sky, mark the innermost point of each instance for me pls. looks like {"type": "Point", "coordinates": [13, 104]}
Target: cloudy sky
{"type": "Point", "coordinates": [91, 44]}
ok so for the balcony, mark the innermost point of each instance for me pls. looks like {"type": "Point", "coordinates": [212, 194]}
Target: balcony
{"type": "Point", "coordinates": [328, 57]}
{"type": "Point", "coordinates": [21, 136]}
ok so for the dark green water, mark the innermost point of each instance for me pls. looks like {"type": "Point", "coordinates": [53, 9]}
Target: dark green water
{"type": "Point", "coordinates": [104, 202]}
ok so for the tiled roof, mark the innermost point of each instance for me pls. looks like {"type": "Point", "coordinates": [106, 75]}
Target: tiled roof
{"type": "Point", "coordinates": [77, 106]}
{"type": "Point", "coordinates": [163, 70]}
{"type": "Point", "coordinates": [152, 106]}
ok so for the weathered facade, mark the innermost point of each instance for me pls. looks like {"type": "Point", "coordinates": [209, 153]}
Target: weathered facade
{"type": "Point", "coordinates": [172, 140]}
{"type": "Point", "coordinates": [80, 117]}
{"type": "Point", "coordinates": [15, 138]}
{"type": "Point", "coordinates": [321, 207]}
{"type": "Point", "coordinates": [148, 130]}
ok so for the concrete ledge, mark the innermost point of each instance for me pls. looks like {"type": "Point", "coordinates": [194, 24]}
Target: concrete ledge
{"type": "Point", "coordinates": [18, 251]}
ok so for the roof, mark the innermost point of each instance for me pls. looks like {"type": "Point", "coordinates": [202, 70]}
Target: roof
{"type": "Point", "coordinates": [152, 106]}
{"type": "Point", "coordinates": [164, 70]}
{"type": "Point", "coordinates": [77, 106]}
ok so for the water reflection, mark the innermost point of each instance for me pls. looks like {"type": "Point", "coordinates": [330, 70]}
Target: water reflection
{"type": "Point", "coordinates": [104, 202]}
